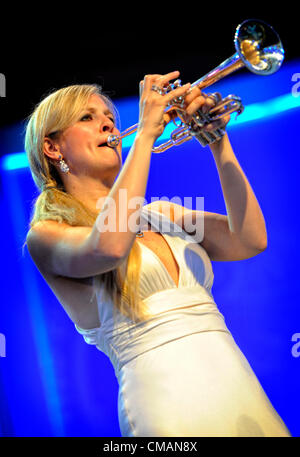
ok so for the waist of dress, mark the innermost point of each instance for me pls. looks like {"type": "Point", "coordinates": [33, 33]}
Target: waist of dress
{"type": "Point", "coordinates": [123, 341]}
{"type": "Point", "coordinates": [177, 297]}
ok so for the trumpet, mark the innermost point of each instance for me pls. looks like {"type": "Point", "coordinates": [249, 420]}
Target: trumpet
{"type": "Point", "coordinates": [258, 48]}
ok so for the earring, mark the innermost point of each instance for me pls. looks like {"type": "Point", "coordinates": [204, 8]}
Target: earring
{"type": "Point", "coordinates": [63, 166]}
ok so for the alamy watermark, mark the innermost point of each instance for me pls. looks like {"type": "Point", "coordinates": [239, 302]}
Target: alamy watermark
{"type": "Point", "coordinates": [2, 345]}
{"type": "Point", "coordinates": [109, 220]}
{"type": "Point", "coordinates": [296, 87]}
{"type": "Point", "coordinates": [2, 85]}
{"type": "Point", "coordinates": [296, 347]}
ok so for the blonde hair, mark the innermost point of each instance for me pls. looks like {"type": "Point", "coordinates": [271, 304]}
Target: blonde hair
{"type": "Point", "coordinates": [51, 116]}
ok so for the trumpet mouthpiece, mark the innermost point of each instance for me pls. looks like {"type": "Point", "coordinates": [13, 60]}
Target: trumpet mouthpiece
{"type": "Point", "coordinates": [113, 141]}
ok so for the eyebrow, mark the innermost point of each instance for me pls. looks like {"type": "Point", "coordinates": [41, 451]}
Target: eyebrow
{"type": "Point", "coordinates": [91, 109]}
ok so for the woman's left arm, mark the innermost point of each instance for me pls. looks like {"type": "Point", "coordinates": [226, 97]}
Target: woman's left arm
{"type": "Point", "coordinates": [245, 219]}
{"type": "Point", "coordinates": [242, 232]}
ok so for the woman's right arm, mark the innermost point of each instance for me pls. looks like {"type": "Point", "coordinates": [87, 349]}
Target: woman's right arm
{"type": "Point", "coordinates": [87, 251]}
{"type": "Point", "coordinates": [80, 252]}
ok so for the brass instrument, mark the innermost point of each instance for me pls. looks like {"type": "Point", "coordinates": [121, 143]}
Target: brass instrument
{"type": "Point", "coordinates": [258, 48]}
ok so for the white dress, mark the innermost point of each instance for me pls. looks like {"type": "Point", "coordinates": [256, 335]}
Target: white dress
{"type": "Point", "coordinates": [181, 373]}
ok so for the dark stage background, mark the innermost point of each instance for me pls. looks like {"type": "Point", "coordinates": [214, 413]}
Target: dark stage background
{"type": "Point", "coordinates": [51, 382]}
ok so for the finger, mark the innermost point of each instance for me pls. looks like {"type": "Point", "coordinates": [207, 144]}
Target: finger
{"type": "Point", "coordinates": [169, 116]}
{"type": "Point", "coordinates": [141, 87]}
{"type": "Point", "coordinates": [148, 81]}
{"type": "Point", "coordinates": [208, 105]}
{"type": "Point", "coordinates": [158, 79]}
{"type": "Point", "coordinates": [178, 92]}
{"type": "Point", "coordinates": [218, 124]}
{"type": "Point", "coordinates": [195, 105]}
{"type": "Point", "coordinates": [165, 79]}
{"type": "Point", "coordinates": [193, 93]}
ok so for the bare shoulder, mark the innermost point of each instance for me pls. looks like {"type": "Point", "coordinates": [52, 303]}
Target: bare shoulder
{"type": "Point", "coordinates": [40, 233]}
{"type": "Point", "coordinates": [44, 234]}
{"type": "Point", "coordinates": [46, 228]}
{"type": "Point", "coordinates": [48, 232]}
{"type": "Point", "coordinates": [61, 249]}
{"type": "Point", "coordinates": [43, 228]}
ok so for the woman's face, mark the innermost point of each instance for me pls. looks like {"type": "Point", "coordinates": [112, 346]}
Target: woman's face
{"type": "Point", "coordinates": [83, 145]}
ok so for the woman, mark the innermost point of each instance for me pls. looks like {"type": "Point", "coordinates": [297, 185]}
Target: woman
{"type": "Point", "coordinates": [145, 301]}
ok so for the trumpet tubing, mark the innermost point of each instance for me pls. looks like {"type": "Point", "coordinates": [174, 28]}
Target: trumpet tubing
{"type": "Point", "coordinates": [258, 48]}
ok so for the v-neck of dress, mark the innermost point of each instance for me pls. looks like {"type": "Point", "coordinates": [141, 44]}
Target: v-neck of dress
{"type": "Point", "coordinates": [170, 247]}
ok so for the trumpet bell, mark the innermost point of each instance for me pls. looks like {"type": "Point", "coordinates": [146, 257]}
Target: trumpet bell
{"type": "Point", "coordinates": [259, 47]}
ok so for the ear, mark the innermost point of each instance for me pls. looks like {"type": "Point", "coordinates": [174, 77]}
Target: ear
{"type": "Point", "coordinates": [51, 148]}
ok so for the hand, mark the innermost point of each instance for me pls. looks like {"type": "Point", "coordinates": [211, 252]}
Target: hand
{"type": "Point", "coordinates": [152, 120]}
{"type": "Point", "coordinates": [196, 100]}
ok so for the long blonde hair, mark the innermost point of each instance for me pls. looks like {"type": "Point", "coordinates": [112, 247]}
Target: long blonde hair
{"type": "Point", "coordinates": [51, 116]}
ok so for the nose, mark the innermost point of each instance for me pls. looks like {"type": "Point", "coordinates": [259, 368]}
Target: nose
{"type": "Point", "coordinates": [107, 125]}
